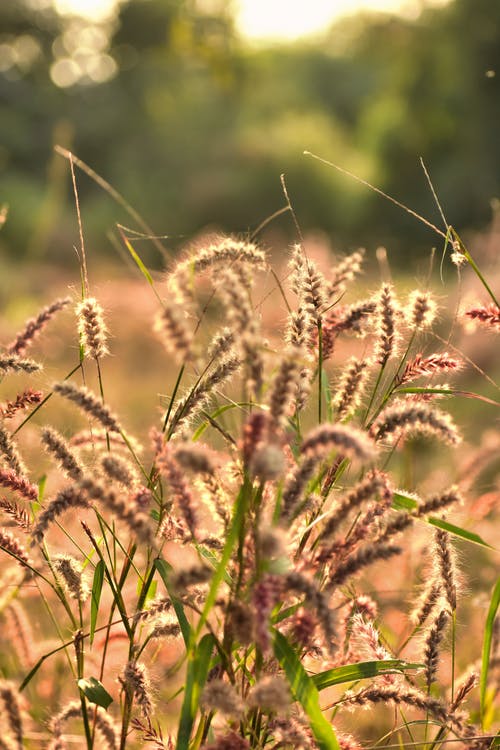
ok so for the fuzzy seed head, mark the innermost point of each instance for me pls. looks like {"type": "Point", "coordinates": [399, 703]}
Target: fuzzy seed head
{"type": "Point", "coordinates": [174, 332]}
{"type": "Point", "coordinates": [386, 325]}
{"type": "Point", "coordinates": [91, 327]}
{"type": "Point", "coordinates": [268, 462]}
{"type": "Point", "coordinates": [421, 310]}
{"type": "Point", "coordinates": [135, 680]}
{"type": "Point", "coordinates": [219, 695]}
{"type": "Point", "coordinates": [271, 694]}
{"type": "Point", "coordinates": [351, 387]}
{"type": "Point", "coordinates": [414, 417]}
{"type": "Point", "coordinates": [347, 440]}
{"type": "Point", "coordinates": [71, 576]}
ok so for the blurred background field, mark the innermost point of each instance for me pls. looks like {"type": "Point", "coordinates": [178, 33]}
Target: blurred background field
{"type": "Point", "coordinates": [193, 116]}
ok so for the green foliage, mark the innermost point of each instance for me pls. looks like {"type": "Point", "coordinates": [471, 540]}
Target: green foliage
{"type": "Point", "coordinates": [212, 124]}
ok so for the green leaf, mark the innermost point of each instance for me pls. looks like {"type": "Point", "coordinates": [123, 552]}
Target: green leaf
{"type": "Point", "coordinates": [469, 536]}
{"type": "Point", "coordinates": [401, 501]}
{"type": "Point", "coordinates": [96, 597]}
{"type": "Point", "coordinates": [150, 593]}
{"type": "Point", "coordinates": [196, 675]}
{"type": "Point", "coordinates": [164, 569]}
{"type": "Point", "coordinates": [488, 636]}
{"type": "Point", "coordinates": [95, 691]}
{"type": "Point", "coordinates": [327, 395]}
{"type": "Point", "coordinates": [360, 671]}
{"type": "Point", "coordinates": [213, 560]}
{"type": "Point", "coordinates": [217, 413]}
{"type": "Point", "coordinates": [42, 482]}
{"type": "Point", "coordinates": [304, 690]}
{"type": "Point", "coordinates": [138, 261]}
{"type": "Point", "coordinates": [240, 508]}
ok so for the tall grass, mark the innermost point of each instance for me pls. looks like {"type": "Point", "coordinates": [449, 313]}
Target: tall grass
{"type": "Point", "coordinates": [239, 577]}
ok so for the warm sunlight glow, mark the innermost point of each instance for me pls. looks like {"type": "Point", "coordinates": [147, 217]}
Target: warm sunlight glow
{"type": "Point", "coordinates": [282, 19]}
{"type": "Point", "coordinates": [268, 19]}
{"type": "Point", "coordinates": [94, 10]}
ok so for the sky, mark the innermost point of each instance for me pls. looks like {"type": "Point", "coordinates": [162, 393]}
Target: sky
{"type": "Point", "coordinates": [286, 19]}
{"type": "Point", "coordinates": [269, 19]}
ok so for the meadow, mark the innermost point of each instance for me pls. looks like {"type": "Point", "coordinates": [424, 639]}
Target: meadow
{"type": "Point", "coordinates": [251, 502]}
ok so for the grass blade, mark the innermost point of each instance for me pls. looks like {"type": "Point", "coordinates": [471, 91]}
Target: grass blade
{"type": "Point", "coordinates": [488, 636]}
{"type": "Point", "coordinates": [405, 502]}
{"type": "Point", "coordinates": [95, 692]}
{"type": "Point", "coordinates": [96, 596]}
{"type": "Point", "coordinates": [457, 531]}
{"type": "Point", "coordinates": [232, 536]}
{"type": "Point", "coordinates": [164, 569]}
{"type": "Point", "coordinates": [197, 670]}
{"type": "Point", "coordinates": [305, 691]}
{"type": "Point", "coordinates": [360, 671]}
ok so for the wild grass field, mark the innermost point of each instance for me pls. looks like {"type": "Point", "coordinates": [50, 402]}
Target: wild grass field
{"type": "Point", "coordinates": [251, 502]}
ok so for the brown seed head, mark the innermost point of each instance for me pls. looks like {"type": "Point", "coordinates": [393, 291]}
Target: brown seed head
{"type": "Point", "coordinates": [93, 332]}
{"type": "Point", "coordinates": [271, 694]}
{"type": "Point", "coordinates": [35, 325]}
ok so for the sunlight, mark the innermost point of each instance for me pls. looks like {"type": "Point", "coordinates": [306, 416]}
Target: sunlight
{"type": "Point", "coordinates": [94, 10]}
{"type": "Point", "coordinates": [267, 19]}
{"type": "Point", "coordinates": [280, 19]}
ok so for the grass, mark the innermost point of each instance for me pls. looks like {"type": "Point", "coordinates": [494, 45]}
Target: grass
{"type": "Point", "coordinates": [278, 558]}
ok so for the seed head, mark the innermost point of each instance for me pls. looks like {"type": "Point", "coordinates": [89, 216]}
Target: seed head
{"type": "Point", "coordinates": [9, 698]}
{"type": "Point", "coordinates": [56, 445]}
{"type": "Point", "coordinates": [25, 399]}
{"type": "Point", "coordinates": [271, 694]}
{"type": "Point", "coordinates": [135, 680]}
{"type": "Point", "coordinates": [71, 575]}
{"type": "Point", "coordinates": [174, 331]}
{"type": "Point", "coordinates": [351, 387]}
{"type": "Point", "coordinates": [421, 310]}
{"type": "Point", "coordinates": [408, 418]}
{"type": "Point", "coordinates": [35, 325]}
{"type": "Point", "coordinates": [486, 315]}
{"type": "Point", "coordinates": [347, 440]}
{"type": "Point", "coordinates": [219, 695]}
{"type": "Point", "coordinates": [93, 332]}
{"type": "Point", "coordinates": [89, 403]}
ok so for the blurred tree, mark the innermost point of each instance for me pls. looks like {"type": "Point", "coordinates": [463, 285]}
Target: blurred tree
{"type": "Point", "coordinates": [194, 128]}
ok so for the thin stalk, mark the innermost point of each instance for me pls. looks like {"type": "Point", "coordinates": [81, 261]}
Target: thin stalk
{"type": "Point", "coordinates": [320, 371]}
{"type": "Point", "coordinates": [453, 651]}
{"type": "Point", "coordinates": [80, 665]}
{"type": "Point", "coordinates": [172, 398]}
{"type": "Point", "coordinates": [43, 401]}
{"type": "Point", "coordinates": [374, 392]}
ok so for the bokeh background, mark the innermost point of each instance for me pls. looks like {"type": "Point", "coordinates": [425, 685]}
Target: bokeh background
{"type": "Point", "coordinates": [194, 120]}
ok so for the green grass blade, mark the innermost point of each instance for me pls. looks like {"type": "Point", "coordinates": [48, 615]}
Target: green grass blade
{"type": "Point", "coordinates": [197, 670]}
{"type": "Point", "coordinates": [137, 260]}
{"type": "Point", "coordinates": [304, 690]}
{"type": "Point", "coordinates": [360, 671]}
{"type": "Point", "coordinates": [164, 569]}
{"type": "Point", "coordinates": [457, 531]}
{"type": "Point", "coordinates": [95, 692]}
{"type": "Point", "coordinates": [488, 636]}
{"type": "Point", "coordinates": [217, 413]}
{"type": "Point", "coordinates": [240, 508]}
{"type": "Point", "coordinates": [327, 396]}
{"type": "Point", "coordinates": [96, 597]}
{"type": "Point", "coordinates": [405, 502]}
